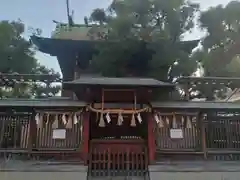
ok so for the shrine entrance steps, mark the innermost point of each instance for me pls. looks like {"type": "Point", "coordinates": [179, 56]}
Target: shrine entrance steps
{"type": "Point", "coordinates": [118, 159]}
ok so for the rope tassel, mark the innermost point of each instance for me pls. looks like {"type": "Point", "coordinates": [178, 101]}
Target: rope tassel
{"type": "Point", "coordinates": [48, 118]}
{"type": "Point", "coordinates": [75, 119]}
{"type": "Point", "coordinates": [167, 120]}
{"type": "Point", "coordinates": [108, 118]}
{"type": "Point", "coordinates": [69, 122]}
{"type": "Point", "coordinates": [133, 121]}
{"type": "Point", "coordinates": [182, 119]}
{"type": "Point", "coordinates": [120, 119]}
{"type": "Point", "coordinates": [156, 118]}
{"type": "Point", "coordinates": [102, 122]}
{"type": "Point", "coordinates": [189, 123]}
{"type": "Point", "coordinates": [161, 123]}
{"type": "Point", "coordinates": [39, 120]}
{"type": "Point", "coordinates": [174, 125]}
{"type": "Point", "coordinates": [64, 119]}
{"type": "Point", "coordinates": [139, 118]}
{"type": "Point", "coordinates": [55, 122]}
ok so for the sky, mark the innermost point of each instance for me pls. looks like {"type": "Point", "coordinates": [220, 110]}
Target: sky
{"type": "Point", "coordinates": [41, 13]}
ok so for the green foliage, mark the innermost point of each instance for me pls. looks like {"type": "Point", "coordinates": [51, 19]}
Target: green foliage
{"type": "Point", "coordinates": [148, 35]}
{"type": "Point", "coordinates": [220, 47]}
{"type": "Point", "coordinates": [17, 56]}
{"type": "Point", "coordinates": [221, 44]}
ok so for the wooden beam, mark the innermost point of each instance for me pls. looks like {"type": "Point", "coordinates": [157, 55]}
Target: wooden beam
{"type": "Point", "coordinates": [203, 136]}
{"type": "Point", "coordinates": [151, 139]}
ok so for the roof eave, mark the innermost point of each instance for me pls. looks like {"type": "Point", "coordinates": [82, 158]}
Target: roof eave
{"type": "Point", "coordinates": [196, 105]}
{"type": "Point", "coordinates": [69, 85]}
{"type": "Point", "coordinates": [41, 103]}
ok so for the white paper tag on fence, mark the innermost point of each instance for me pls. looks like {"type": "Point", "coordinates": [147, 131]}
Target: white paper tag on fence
{"type": "Point", "coordinates": [59, 134]}
{"type": "Point", "coordinates": [176, 133]}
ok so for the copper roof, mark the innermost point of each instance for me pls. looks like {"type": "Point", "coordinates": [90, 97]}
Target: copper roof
{"type": "Point", "coordinates": [125, 81]}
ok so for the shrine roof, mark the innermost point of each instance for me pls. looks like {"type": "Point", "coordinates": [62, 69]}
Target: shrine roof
{"type": "Point", "coordinates": [209, 80]}
{"type": "Point", "coordinates": [52, 46]}
{"type": "Point", "coordinates": [124, 81]}
{"type": "Point", "coordinates": [51, 102]}
{"type": "Point", "coordinates": [196, 105]}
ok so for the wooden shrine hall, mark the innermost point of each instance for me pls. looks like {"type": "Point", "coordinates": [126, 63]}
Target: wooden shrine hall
{"type": "Point", "coordinates": [116, 124]}
{"type": "Point", "coordinates": [118, 127]}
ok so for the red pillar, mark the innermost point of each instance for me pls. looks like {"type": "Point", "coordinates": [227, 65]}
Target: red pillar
{"type": "Point", "coordinates": [151, 139]}
{"type": "Point", "coordinates": [85, 134]}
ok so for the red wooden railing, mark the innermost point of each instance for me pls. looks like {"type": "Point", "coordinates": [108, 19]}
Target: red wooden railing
{"type": "Point", "coordinates": [118, 157]}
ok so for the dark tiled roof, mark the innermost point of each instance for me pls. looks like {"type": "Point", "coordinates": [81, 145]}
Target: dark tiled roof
{"type": "Point", "coordinates": [106, 81]}
{"type": "Point", "coordinates": [196, 105]}
{"type": "Point", "coordinates": [209, 80]}
{"type": "Point", "coordinates": [40, 103]}
{"type": "Point", "coordinates": [52, 46]}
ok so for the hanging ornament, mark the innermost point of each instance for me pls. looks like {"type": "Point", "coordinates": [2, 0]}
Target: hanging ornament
{"type": "Point", "coordinates": [182, 120]}
{"type": "Point", "coordinates": [174, 123]}
{"type": "Point", "coordinates": [39, 120]}
{"type": "Point", "coordinates": [75, 119]}
{"type": "Point", "coordinates": [167, 120]}
{"type": "Point", "coordinates": [189, 123]}
{"type": "Point", "coordinates": [161, 123]}
{"type": "Point", "coordinates": [55, 122]}
{"type": "Point", "coordinates": [108, 118]}
{"type": "Point", "coordinates": [101, 121]}
{"type": "Point", "coordinates": [48, 119]}
{"type": "Point", "coordinates": [64, 119]}
{"type": "Point", "coordinates": [69, 124]}
{"type": "Point", "coordinates": [120, 119]}
{"type": "Point", "coordinates": [156, 118]}
{"type": "Point", "coordinates": [139, 118]}
{"type": "Point", "coordinates": [133, 121]}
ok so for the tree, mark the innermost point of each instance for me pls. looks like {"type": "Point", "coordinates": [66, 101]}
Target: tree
{"type": "Point", "coordinates": [221, 44]}
{"type": "Point", "coordinates": [220, 47]}
{"type": "Point", "coordinates": [17, 56]}
{"type": "Point", "coordinates": [148, 35]}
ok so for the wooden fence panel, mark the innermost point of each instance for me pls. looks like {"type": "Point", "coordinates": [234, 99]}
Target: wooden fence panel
{"type": "Point", "coordinates": [14, 131]}
{"type": "Point", "coordinates": [190, 139]}
{"type": "Point", "coordinates": [45, 135]}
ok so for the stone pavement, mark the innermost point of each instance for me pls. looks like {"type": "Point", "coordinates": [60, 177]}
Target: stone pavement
{"type": "Point", "coordinates": [33, 170]}
{"type": "Point", "coordinates": [217, 170]}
